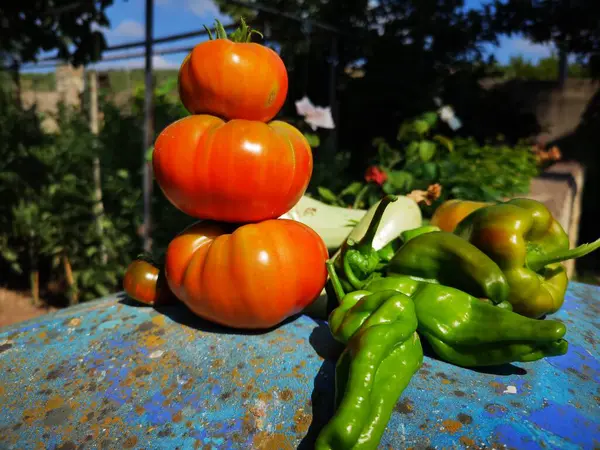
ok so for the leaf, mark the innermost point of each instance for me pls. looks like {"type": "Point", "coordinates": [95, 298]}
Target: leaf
{"type": "Point", "coordinates": [351, 223]}
{"type": "Point", "coordinates": [431, 118]}
{"type": "Point", "coordinates": [444, 141]}
{"type": "Point", "coordinates": [405, 131]}
{"type": "Point", "coordinates": [401, 180]}
{"type": "Point", "coordinates": [352, 189]}
{"type": "Point", "coordinates": [427, 150]}
{"type": "Point", "coordinates": [430, 171]}
{"type": "Point", "coordinates": [412, 151]}
{"type": "Point", "coordinates": [389, 188]}
{"type": "Point", "coordinates": [327, 195]}
{"type": "Point", "coordinates": [16, 267]}
{"type": "Point", "coordinates": [421, 127]}
{"type": "Point", "coordinates": [9, 255]}
{"type": "Point", "coordinates": [101, 290]}
{"type": "Point", "coordinates": [376, 142]}
{"type": "Point", "coordinates": [148, 155]}
{"type": "Point", "coordinates": [123, 174]}
{"type": "Point", "coordinates": [313, 139]}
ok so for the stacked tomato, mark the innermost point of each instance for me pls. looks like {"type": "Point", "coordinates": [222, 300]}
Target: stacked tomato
{"type": "Point", "coordinates": [231, 166]}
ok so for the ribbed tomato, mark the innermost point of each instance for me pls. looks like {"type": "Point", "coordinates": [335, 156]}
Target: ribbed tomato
{"type": "Point", "coordinates": [253, 276]}
{"type": "Point", "coordinates": [236, 171]}
{"type": "Point", "coordinates": [145, 283]}
{"type": "Point", "coordinates": [233, 80]}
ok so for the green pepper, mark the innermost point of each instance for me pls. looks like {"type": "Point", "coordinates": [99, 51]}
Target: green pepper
{"type": "Point", "coordinates": [408, 285]}
{"type": "Point", "coordinates": [358, 260]}
{"type": "Point", "coordinates": [409, 234]}
{"type": "Point", "coordinates": [382, 353]}
{"type": "Point", "coordinates": [452, 261]}
{"type": "Point", "coordinates": [528, 244]}
{"type": "Point", "coordinates": [465, 331]}
{"type": "Point", "coordinates": [386, 253]}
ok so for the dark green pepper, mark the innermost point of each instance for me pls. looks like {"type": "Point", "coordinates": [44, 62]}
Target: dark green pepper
{"type": "Point", "coordinates": [467, 332]}
{"type": "Point", "coordinates": [409, 234]}
{"type": "Point", "coordinates": [358, 260]}
{"type": "Point", "coordinates": [528, 244]}
{"type": "Point", "coordinates": [382, 353]}
{"type": "Point", "coordinates": [452, 261]}
{"type": "Point", "coordinates": [408, 285]}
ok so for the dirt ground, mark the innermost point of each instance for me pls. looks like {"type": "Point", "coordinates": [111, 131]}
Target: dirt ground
{"type": "Point", "coordinates": [16, 307]}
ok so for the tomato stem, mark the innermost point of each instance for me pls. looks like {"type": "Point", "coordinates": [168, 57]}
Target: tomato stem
{"type": "Point", "coordinates": [210, 36]}
{"type": "Point", "coordinates": [220, 30]}
{"type": "Point", "coordinates": [242, 34]}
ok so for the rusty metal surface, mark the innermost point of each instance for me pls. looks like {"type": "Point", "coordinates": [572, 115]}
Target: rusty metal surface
{"type": "Point", "coordinates": [109, 374]}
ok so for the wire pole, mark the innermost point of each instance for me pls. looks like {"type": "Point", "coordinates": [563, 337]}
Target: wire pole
{"type": "Point", "coordinates": [148, 128]}
{"type": "Point", "coordinates": [333, 63]}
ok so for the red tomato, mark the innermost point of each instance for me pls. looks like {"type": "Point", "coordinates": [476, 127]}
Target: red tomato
{"type": "Point", "coordinates": [233, 80]}
{"type": "Point", "coordinates": [236, 171]}
{"type": "Point", "coordinates": [144, 282]}
{"type": "Point", "coordinates": [252, 276]}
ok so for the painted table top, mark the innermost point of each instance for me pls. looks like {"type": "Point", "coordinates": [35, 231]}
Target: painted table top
{"type": "Point", "coordinates": [111, 374]}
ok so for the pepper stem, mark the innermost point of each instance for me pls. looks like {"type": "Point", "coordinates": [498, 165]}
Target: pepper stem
{"type": "Point", "coordinates": [335, 281]}
{"type": "Point", "coordinates": [353, 279]}
{"type": "Point", "coordinates": [374, 225]}
{"type": "Point", "coordinates": [536, 261]}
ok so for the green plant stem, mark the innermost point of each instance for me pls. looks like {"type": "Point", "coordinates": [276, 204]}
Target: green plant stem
{"type": "Point", "coordinates": [335, 281]}
{"type": "Point", "coordinates": [360, 196]}
{"type": "Point", "coordinates": [537, 261]}
{"type": "Point", "coordinates": [375, 222]}
{"type": "Point", "coordinates": [350, 276]}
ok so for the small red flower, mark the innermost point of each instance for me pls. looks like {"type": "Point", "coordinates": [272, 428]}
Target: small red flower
{"type": "Point", "coordinates": [376, 175]}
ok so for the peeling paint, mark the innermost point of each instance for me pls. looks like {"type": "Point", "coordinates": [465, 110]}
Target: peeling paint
{"type": "Point", "coordinates": [110, 375]}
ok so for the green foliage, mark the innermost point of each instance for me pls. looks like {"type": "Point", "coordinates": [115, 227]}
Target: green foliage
{"type": "Point", "coordinates": [29, 27]}
{"type": "Point", "coordinates": [545, 69]}
{"type": "Point", "coordinates": [463, 167]}
{"type": "Point", "coordinates": [573, 25]}
{"type": "Point", "coordinates": [50, 206]}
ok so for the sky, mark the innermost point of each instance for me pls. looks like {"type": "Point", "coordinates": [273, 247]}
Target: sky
{"type": "Point", "coordinates": [180, 16]}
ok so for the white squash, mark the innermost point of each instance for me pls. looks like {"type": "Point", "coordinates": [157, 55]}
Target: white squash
{"type": "Point", "coordinates": [334, 225]}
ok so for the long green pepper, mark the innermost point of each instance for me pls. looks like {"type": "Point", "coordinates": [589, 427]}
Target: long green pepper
{"type": "Point", "coordinates": [382, 353]}
{"type": "Point", "coordinates": [466, 331]}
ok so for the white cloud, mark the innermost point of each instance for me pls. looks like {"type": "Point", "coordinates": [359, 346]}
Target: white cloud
{"type": "Point", "coordinates": [203, 8]}
{"type": "Point", "coordinates": [530, 48]}
{"type": "Point", "coordinates": [160, 62]}
{"type": "Point", "coordinates": [128, 28]}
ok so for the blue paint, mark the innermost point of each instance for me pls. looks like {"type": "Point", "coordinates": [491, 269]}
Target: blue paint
{"type": "Point", "coordinates": [232, 391]}
{"type": "Point", "coordinates": [514, 436]}
{"type": "Point", "coordinates": [579, 363]}
{"type": "Point", "coordinates": [566, 422]}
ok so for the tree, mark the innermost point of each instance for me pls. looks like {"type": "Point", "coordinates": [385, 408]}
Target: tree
{"type": "Point", "coordinates": [571, 25]}
{"type": "Point", "coordinates": [544, 69]}
{"type": "Point", "coordinates": [69, 26]}
{"type": "Point", "coordinates": [393, 57]}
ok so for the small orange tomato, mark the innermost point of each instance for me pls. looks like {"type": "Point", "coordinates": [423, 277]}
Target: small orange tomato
{"type": "Point", "coordinates": [145, 283]}
{"type": "Point", "coordinates": [251, 277]}
{"type": "Point", "coordinates": [236, 171]}
{"type": "Point", "coordinates": [451, 212]}
{"type": "Point", "coordinates": [233, 80]}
